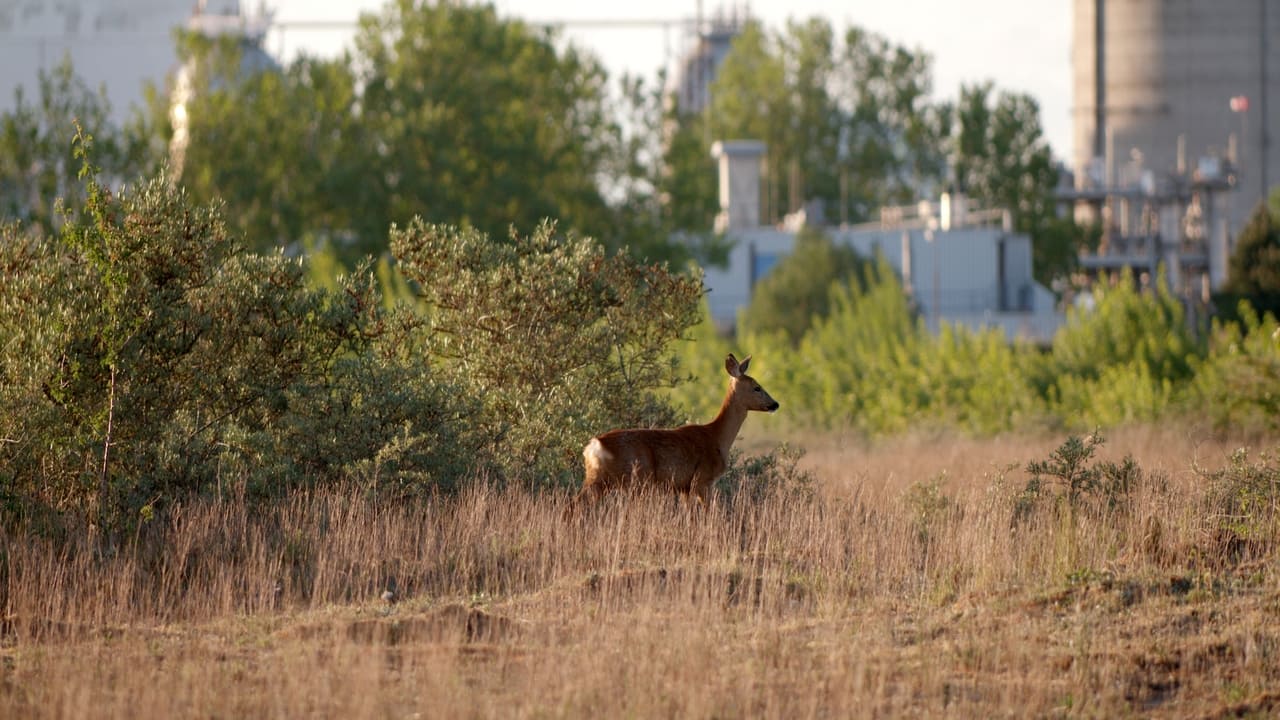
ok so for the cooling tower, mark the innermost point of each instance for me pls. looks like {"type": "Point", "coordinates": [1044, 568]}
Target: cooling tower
{"type": "Point", "coordinates": [1149, 72]}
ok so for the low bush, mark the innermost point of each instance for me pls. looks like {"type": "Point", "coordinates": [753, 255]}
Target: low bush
{"type": "Point", "coordinates": [1243, 502]}
{"type": "Point", "coordinates": [1071, 480]}
{"type": "Point", "coordinates": [1238, 384]}
{"type": "Point", "coordinates": [553, 339]}
{"type": "Point", "coordinates": [145, 355]}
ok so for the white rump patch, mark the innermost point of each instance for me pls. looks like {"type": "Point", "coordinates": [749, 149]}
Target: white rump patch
{"type": "Point", "coordinates": [594, 451]}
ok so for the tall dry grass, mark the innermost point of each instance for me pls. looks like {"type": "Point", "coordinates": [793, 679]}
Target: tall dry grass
{"type": "Point", "coordinates": [902, 583]}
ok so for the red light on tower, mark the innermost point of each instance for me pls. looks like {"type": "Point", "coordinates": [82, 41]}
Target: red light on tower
{"type": "Point", "coordinates": [1240, 103]}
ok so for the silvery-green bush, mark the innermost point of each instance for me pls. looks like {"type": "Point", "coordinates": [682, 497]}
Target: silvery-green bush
{"type": "Point", "coordinates": [145, 356]}
{"type": "Point", "coordinates": [554, 339]}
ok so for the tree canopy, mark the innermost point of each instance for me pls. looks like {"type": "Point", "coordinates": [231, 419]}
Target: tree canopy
{"type": "Point", "coordinates": [848, 122]}
{"type": "Point", "coordinates": [37, 164]}
{"type": "Point", "coordinates": [463, 116]}
{"type": "Point", "coordinates": [797, 292]}
{"type": "Point", "coordinates": [845, 122]}
{"type": "Point", "coordinates": [440, 110]}
{"type": "Point", "coordinates": [1253, 271]}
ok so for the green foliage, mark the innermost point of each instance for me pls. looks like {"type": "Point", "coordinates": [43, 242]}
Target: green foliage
{"type": "Point", "coordinates": [872, 365]}
{"type": "Point", "coordinates": [37, 161]}
{"type": "Point", "coordinates": [928, 506]}
{"type": "Point", "coordinates": [850, 361]}
{"type": "Point", "coordinates": [1068, 471]}
{"type": "Point", "coordinates": [1000, 158]}
{"type": "Point", "coordinates": [1253, 272]}
{"type": "Point", "coordinates": [476, 148]}
{"type": "Point", "coordinates": [844, 120]}
{"type": "Point", "coordinates": [1238, 383]}
{"type": "Point", "coordinates": [797, 291]}
{"type": "Point", "coordinates": [288, 178]}
{"type": "Point", "coordinates": [1244, 499]}
{"type": "Point", "coordinates": [395, 129]}
{"type": "Point", "coordinates": [1124, 359]}
{"type": "Point", "coordinates": [756, 478]}
{"type": "Point", "coordinates": [665, 179]}
{"type": "Point", "coordinates": [980, 383]}
{"type": "Point", "coordinates": [145, 356]}
{"type": "Point", "coordinates": [556, 340]}
{"type": "Point", "coordinates": [847, 121]}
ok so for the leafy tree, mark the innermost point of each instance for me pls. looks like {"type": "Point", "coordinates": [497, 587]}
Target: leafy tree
{"type": "Point", "coordinates": [1000, 158]}
{"type": "Point", "coordinates": [665, 179]}
{"type": "Point", "coordinates": [441, 110]}
{"type": "Point", "coordinates": [480, 121]}
{"type": "Point", "coordinates": [892, 139]}
{"type": "Point", "coordinates": [37, 165]}
{"type": "Point", "coordinates": [749, 99]}
{"type": "Point", "coordinates": [1253, 272]}
{"type": "Point", "coordinates": [797, 292]}
{"type": "Point", "coordinates": [847, 122]}
{"type": "Point", "coordinates": [287, 175]}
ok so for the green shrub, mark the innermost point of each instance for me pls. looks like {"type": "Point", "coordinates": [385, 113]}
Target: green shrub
{"type": "Point", "coordinates": [860, 366]}
{"type": "Point", "coordinates": [796, 293]}
{"type": "Point", "coordinates": [755, 478]}
{"type": "Point", "coordinates": [1253, 271]}
{"type": "Point", "coordinates": [1238, 384]}
{"type": "Point", "coordinates": [1244, 501]}
{"type": "Point", "coordinates": [145, 355]}
{"type": "Point", "coordinates": [1069, 477]}
{"type": "Point", "coordinates": [554, 340]}
{"type": "Point", "coordinates": [872, 365]}
{"type": "Point", "coordinates": [1125, 360]}
{"type": "Point", "coordinates": [928, 506]}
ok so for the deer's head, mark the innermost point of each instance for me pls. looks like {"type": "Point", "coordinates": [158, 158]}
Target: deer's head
{"type": "Point", "coordinates": [745, 390]}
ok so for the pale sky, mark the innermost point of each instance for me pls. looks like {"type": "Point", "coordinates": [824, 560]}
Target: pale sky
{"type": "Point", "coordinates": [1020, 45]}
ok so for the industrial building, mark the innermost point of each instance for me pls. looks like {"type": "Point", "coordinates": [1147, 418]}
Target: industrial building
{"type": "Point", "coordinates": [118, 46]}
{"type": "Point", "coordinates": [961, 266]}
{"type": "Point", "coordinates": [710, 39]}
{"type": "Point", "coordinates": [1172, 130]}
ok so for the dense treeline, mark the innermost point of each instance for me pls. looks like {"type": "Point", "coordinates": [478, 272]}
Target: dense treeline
{"type": "Point", "coordinates": [461, 116]}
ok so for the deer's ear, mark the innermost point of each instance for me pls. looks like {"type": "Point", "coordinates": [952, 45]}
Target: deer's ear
{"type": "Point", "coordinates": [742, 366]}
{"type": "Point", "coordinates": [731, 366]}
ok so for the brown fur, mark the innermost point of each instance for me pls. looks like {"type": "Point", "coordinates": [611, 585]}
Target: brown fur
{"type": "Point", "coordinates": [687, 459]}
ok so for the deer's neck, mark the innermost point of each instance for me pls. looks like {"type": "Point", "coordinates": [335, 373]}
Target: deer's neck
{"type": "Point", "coordinates": [727, 423]}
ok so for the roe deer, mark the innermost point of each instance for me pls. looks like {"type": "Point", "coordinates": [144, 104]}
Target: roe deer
{"type": "Point", "coordinates": [686, 459]}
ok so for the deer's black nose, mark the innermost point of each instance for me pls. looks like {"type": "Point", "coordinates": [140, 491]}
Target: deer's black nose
{"type": "Point", "coordinates": [774, 406]}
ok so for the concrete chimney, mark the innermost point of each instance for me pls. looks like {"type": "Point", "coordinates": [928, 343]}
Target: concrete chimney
{"type": "Point", "coordinates": [739, 162]}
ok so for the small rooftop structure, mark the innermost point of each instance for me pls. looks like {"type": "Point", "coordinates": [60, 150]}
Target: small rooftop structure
{"type": "Point", "coordinates": [739, 163]}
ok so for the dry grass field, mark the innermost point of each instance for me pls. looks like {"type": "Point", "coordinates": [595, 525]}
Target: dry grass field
{"type": "Point", "coordinates": [905, 580]}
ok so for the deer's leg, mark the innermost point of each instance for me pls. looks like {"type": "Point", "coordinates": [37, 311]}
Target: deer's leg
{"type": "Point", "coordinates": [701, 490]}
{"type": "Point", "coordinates": [590, 494]}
